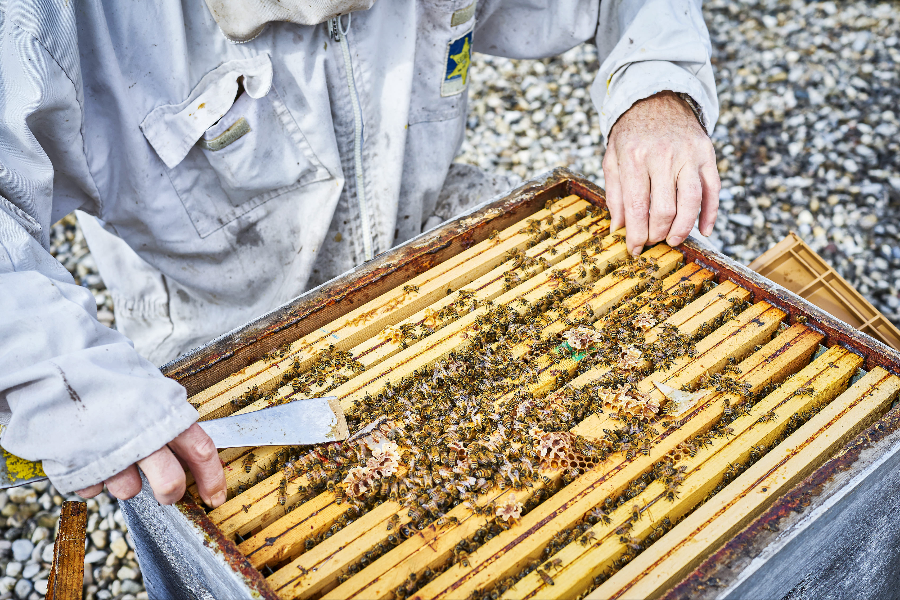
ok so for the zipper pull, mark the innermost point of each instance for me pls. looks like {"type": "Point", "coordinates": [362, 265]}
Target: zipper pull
{"type": "Point", "coordinates": [334, 29]}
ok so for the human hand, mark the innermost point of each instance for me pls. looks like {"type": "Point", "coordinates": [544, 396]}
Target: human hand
{"type": "Point", "coordinates": [660, 169]}
{"type": "Point", "coordinates": [165, 471]}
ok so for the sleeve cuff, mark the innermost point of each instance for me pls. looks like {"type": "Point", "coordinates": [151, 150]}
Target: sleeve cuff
{"type": "Point", "coordinates": [178, 418]}
{"type": "Point", "coordinates": [640, 80]}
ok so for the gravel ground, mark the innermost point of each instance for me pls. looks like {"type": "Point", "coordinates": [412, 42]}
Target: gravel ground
{"type": "Point", "coordinates": [807, 140]}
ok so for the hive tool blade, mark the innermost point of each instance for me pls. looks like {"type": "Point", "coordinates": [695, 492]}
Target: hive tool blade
{"type": "Point", "coordinates": [297, 423]}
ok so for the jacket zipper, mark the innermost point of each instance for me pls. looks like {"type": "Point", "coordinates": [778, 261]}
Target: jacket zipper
{"type": "Point", "coordinates": [339, 34]}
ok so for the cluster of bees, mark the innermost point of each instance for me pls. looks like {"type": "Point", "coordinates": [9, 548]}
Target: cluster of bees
{"type": "Point", "coordinates": [467, 426]}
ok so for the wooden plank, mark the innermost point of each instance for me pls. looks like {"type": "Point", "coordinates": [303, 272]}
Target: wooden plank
{"type": "Point", "coordinates": [513, 549]}
{"type": "Point", "coordinates": [826, 376]}
{"type": "Point", "coordinates": [489, 286]}
{"type": "Point", "coordinates": [602, 295]}
{"type": "Point", "coordinates": [431, 548]}
{"type": "Point", "coordinates": [234, 516]}
{"type": "Point", "coordinates": [454, 335]}
{"type": "Point", "coordinates": [66, 579]}
{"type": "Point", "coordinates": [286, 543]}
{"type": "Point", "coordinates": [689, 542]}
{"type": "Point", "coordinates": [486, 288]}
{"type": "Point", "coordinates": [709, 305]}
{"type": "Point", "coordinates": [374, 316]}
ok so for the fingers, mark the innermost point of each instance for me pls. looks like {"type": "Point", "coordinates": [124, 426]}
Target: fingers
{"type": "Point", "coordinates": [688, 205]}
{"type": "Point", "coordinates": [90, 492]}
{"type": "Point", "coordinates": [197, 450]}
{"type": "Point", "coordinates": [635, 182]}
{"type": "Point", "coordinates": [165, 475]}
{"type": "Point", "coordinates": [709, 206]}
{"type": "Point", "coordinates": [613, 189]}
{"type": "Point", "coordinates": [662, 199]}
{"type": "Point", "coordinates": [125, 484]}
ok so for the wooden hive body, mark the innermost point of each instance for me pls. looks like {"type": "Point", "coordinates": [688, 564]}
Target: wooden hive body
{"type": "Point", "coordinates": [563, 464]}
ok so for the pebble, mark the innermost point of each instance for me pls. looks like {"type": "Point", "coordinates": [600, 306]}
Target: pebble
{"type": "Point", "coordinates": [99, 539]}
{"type": "Point", "coordinates": [30, 570]}
{"type": "Point", "coordinates": [743, 220]}
{"type": "Point", "coordinates": [23, 588]}
{"type": "Point", "coordinates": [119, 547]}
{"type": "Point", "coordinates": [95, 556]}
{"type": "Point", "coordinates": [47, 554]}
{"type": "Point", "coordinates": [21, 550]}
{"type": "Point", "coordinates": [126, 573]}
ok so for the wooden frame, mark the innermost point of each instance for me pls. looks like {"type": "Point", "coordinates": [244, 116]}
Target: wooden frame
{"type": "Point", "coordinates": [215, 362]}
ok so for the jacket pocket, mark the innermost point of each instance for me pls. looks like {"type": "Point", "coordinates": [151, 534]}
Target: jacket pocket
{"type": "Point", "coordinates": [443, 57]}
{"type": "Point", "coordinates": [232, 145]}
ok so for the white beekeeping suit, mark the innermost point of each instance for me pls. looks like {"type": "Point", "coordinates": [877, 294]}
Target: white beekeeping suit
{"type": "Point", "coordinates": [226, 177]}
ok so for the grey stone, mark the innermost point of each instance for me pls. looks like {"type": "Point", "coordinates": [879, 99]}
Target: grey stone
{"type": "Point", "coordinates": [743, 220]}
{"type": "Point", "coordinates": [131, 587]}
{"type": "Point", "coordinates": [119, 547]}
{"type": "Point", "coordinates": [23, 588]}
{"type": "Point", "coordinates": [22, 495]}
{"type": "Point", "coordinates": [95, 556]}
{"type": "Point", "coordinates": [7, 584]}
{"type": "Point", "coordinates": [30, 570]}
{"type": "Point", "coordinates": [21, 550]}
{"type": "Point", "coordinates": [47, 554]}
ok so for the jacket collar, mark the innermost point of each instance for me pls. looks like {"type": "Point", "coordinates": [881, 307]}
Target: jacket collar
{"type": "Point", "coordinates": [243, 20]}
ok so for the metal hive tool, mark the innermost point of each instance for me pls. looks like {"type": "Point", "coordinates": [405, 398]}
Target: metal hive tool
{"type": "Point", "coordinates": [786, 388]}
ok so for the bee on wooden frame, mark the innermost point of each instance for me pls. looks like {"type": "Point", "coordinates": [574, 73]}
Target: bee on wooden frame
{"type": "Point", "coordinates": [248, 462]}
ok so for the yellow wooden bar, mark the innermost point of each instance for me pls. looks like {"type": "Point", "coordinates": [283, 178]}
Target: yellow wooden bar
{"type": "Point", "coordinates": [264, 508]}
{"type": "Point", "coordinates": [389, 308]}
{"type": "Point", "coordinates": [512, 550]}
{"type": "Point", "coordinates": [680, 550]}
{"type": "Point", "coordinates": [826, 377]}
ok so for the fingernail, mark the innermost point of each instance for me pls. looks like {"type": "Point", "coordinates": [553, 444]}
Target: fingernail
{"type": "Point", "coordinates": [218, 499]}
{"type": "Point", "coordinates": [636, 252]}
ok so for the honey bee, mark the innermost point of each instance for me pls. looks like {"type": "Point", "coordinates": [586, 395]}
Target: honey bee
{"type": "Point", "coordinates": [587, 538]}
{"type": "Point", "coordinates": [282, 492]}
{"type": "Point", "coordinates": [248, 462]}
{"type": "Point", "coordinates": [545, 577]}
{"type": "Point", "coordinates": [554, 563]}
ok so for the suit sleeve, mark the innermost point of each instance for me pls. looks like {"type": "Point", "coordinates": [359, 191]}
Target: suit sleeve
{"type": "Point", "coordinates": [644, 46]}
{"type": "Point", "coordinates": [649, 46]}
{"type": "Point", "coordinates": [75, 394]}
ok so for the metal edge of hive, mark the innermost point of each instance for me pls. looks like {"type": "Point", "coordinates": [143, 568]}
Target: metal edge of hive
{"type": "Point", "coordinates": [233, 350]}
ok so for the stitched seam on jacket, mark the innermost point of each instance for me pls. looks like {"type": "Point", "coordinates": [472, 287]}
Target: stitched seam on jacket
{"type": "Point", "coordinates": [87, 167]}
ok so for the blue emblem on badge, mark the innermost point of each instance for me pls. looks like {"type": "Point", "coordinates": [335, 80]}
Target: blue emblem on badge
{"type": "Point", "coordinates": [459, 57]}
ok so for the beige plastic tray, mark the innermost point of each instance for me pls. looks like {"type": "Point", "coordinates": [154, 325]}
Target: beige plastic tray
{"type": "Point", "coordinates": [794, 265]}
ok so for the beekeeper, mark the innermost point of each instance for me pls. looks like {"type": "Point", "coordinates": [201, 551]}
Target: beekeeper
{"type": "Point", "coordinates": [234, 153]}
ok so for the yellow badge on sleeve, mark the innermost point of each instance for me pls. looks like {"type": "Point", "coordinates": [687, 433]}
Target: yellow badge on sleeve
{"type": "Point", "coordinates": [456, 73]}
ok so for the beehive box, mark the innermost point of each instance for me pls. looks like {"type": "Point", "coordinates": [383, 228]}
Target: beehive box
{"type": "Point", "coordinates": [555, 419]}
